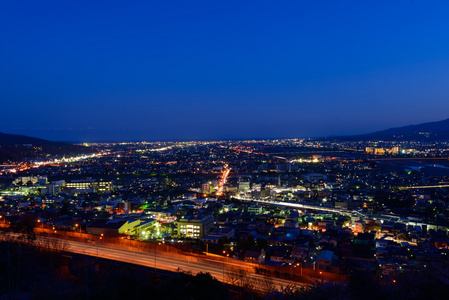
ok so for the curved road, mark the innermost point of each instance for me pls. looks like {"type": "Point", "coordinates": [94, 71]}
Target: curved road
{"type": "Point", "coordinates": [221, 271]}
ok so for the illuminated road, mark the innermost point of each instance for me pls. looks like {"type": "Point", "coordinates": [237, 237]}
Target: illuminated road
{"type": "Point", "coordinates": [346, 212]}
{"type": "Point", "coordinates": [189, 264]}
{"type": "Point", "coordinates": [426, 186]}
{"type": "Point", "coordinates": [54, 162]}
{"type": "Point", "coordinates": [299, 205]}
{"type": "Point", "coordinates": [223, 180]}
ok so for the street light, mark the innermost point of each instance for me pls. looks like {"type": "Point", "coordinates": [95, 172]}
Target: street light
{"type": "Point", "coordinates": [155, 255]}
{"type": "Point", "coordinates": [101, 237]}
{"type": "Point", "coordinates": [298, 264]}
{"type": "Point", "coordinates": [39, 221]}
{"type": "Point", "coordinates": [224, 252]}
{"type": "Point", "coordinates": [77, 225]}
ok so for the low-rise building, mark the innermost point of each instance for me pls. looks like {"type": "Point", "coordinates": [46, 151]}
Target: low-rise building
{"type": "Point", "coordinates": [113, 227]}
{"type": "Point", "coordinates": [194, 226]}
{"type": "Point", "coordinates": [226, 232]}
{"type": "Point", "coordinates": [254, 257]}
{"type": "Point", "coordinates": [324, 259]}
{"type": "Point", "coordinates": [359, 226]}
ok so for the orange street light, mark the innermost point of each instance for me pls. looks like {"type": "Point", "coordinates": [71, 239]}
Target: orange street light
{"type": "Point", "coordinates": [224, 268]}
{"type": "Point", "coordinates": [298, 264]}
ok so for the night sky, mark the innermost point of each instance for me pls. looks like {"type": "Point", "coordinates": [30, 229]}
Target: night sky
{"type": "Point", "coordinates": [161, 70]}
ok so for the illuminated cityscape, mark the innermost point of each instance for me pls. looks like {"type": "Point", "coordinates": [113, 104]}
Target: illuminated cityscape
{"type": "Point", "coordinates": [288, 210]}
{"type": "Point", "coordinates": [226, 150]}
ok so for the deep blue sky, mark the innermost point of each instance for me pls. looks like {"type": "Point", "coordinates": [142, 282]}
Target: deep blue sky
{"type": "Point", "coordinates": [151, 70]}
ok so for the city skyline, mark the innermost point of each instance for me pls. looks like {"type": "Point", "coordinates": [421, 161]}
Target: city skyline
{"type": "Point", "coordinates": [184, 71]}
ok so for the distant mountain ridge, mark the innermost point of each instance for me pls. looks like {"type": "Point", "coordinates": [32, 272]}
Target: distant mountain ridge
{"type": "Point", "coordinates": [15, 148]}
{"type": "Point", "coordinates": [7, 139]}
{"type": "Point", "coordinates": [431, 131]}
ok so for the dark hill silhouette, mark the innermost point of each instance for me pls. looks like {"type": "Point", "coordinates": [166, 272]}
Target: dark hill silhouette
{"type": "Point", "coordinates": [16, 139]}
{"type": "Point", "coordinates": [14, 148]}
{"type": "Point", "coordinates": [432, 131]}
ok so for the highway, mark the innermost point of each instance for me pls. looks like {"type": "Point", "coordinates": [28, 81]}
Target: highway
{"type": "Point", "coordinates": [221, 271]}
{"type": "Point", "coordinates": [300, 205]}
{"type": "Point", "coordinates": [341, 211]}
{"type": "Point", "coordinates": [425, 186]}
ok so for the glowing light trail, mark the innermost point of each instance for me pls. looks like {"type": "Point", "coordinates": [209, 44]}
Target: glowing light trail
{"type": "Point", "coordinates": [223, 180]}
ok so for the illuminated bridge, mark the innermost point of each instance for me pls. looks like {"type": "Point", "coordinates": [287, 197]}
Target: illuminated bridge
{"type": "Point", "coordinates": [426, 186]}
{"type": "Point", "coordinates": [301, 206]}
{"type": "Point", "coordinates": [354, 213]}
